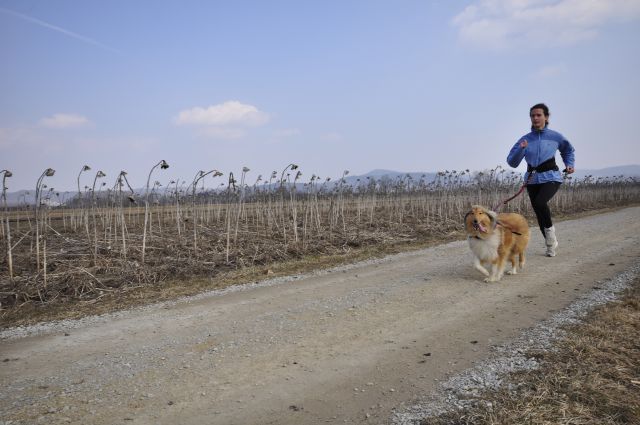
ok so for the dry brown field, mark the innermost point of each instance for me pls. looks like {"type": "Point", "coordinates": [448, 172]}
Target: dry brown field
{"type": "Point", "coordinates": [183, 241]}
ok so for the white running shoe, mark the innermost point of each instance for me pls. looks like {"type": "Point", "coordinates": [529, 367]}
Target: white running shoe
{"type": "Point", "coordinates": [550, 240]}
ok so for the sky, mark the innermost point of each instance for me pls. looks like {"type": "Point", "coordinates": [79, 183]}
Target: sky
{"type": "Point", "coordinates": [409, 85]}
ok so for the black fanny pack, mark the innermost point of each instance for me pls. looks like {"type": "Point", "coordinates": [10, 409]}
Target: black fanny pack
{"type": "Point", "coordinates": [548, 165]}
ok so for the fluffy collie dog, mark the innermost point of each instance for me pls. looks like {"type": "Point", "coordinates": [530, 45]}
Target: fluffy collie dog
{"type": "Point", "coordinates": [494, 238]}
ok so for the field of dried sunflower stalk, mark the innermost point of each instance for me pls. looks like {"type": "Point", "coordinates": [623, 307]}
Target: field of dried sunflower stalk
{"type": "Point", "coordinates": [107, 241]}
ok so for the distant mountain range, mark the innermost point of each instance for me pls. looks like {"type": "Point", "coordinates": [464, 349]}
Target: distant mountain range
{"type": "Point", "coordinates": [623, 170]}
{"type": "Point", "coordinates": [22, 197]}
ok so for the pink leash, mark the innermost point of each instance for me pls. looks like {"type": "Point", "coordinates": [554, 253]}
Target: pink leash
{"type": "Point", "coordinates": [498, 207]}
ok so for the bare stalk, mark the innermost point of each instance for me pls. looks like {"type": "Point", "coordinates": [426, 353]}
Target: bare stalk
{"type": "Point", "coordinates": [7, 173]}
{"type": "Point", "coordinates": [240, 202]}
{"type": "Point", "coordinates": [85, 213]}
{"type": "Point", "coordinates": [232, 182]}
{"type": "Point", "coordinates": [122, 179]}
{"type": "Point", "coordinates": [163, 165]}
{"type": "Point", "coordinates": [47, 173]}
{"type": "Point", "coordinates": [199, 176]}
{"type": "Point", "coordinates": [99, 174]}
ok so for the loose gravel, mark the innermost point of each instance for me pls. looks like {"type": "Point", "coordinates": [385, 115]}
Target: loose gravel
{"type": "Point", "coordinates": [464, 389]}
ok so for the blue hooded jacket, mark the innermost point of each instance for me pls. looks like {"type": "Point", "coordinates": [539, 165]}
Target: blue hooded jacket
{"type": "Point", "coordinates": [542, 146]}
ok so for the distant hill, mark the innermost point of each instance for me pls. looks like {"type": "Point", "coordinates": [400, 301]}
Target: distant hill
{"type": "Point", "coordinates": [379, 173]}
{"type": "Point", "coordinates": [27, 197]}
{"type": "Point", "coordinates": [22, 197]}
{"type": "Point", "coordinates": [623, 170]}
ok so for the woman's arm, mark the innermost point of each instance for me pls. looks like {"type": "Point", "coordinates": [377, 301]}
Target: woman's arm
{"type": "Point", "coordinates": [567, 152]}
{"type": "Point", "coordinates": [517, 153]}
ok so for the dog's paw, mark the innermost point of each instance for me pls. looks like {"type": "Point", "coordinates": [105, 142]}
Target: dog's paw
{"type": "Point", "coordinates": [482, 270]}
{"type": "Point", "coordinates": [511, 272]}
{"type": "Point", "coordinates": [490, 279]}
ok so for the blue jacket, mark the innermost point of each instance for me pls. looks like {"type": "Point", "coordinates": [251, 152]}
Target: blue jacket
{"type": "Point", "coordinates": [542, 146]}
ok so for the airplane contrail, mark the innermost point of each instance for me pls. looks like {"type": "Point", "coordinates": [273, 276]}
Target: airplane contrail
{"type": "Point", "coordinates": [58, 29]}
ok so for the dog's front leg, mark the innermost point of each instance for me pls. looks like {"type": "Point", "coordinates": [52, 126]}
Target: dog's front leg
{"type": "Point", "coordinates": [514, 267]}
{"type": "Point", "coordinates": [478, 266]}
{"type": "Point", "coordinates": [497, 270]}
{"type": "Point", "coordinates": [500, 269]}
{"type": "Point", "coordinates": [491, 277]}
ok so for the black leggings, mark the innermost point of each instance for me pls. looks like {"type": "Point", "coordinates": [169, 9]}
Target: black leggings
{"type": "Point", "coordinates": [540, 195]}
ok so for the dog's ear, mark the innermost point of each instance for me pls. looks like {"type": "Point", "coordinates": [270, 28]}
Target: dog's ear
{"type": "Point", "coordinates": [493, 216]}
{"type": "Point", "coordinates": [467, 215]}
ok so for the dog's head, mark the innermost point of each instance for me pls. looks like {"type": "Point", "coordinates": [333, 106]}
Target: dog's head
{"type": "Point", "coordinates": [480, 221]}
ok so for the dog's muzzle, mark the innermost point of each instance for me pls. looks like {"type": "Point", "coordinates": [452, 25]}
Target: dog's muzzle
{"type": "Point", "coordinates": [478, 227]}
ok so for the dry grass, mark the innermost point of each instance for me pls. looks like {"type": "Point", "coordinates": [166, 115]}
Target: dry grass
{"type": "Point", "coordinates": [93, 257]}
{"type": "Point", "coordinates": [104, 299]}
{"type": "Point", "coordinates": [171, 289]}
{"type": "Point", "coordinates": [593, 378]}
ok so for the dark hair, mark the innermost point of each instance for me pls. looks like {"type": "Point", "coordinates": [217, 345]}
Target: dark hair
{"type": "Point", "coordinates": [545, 109]}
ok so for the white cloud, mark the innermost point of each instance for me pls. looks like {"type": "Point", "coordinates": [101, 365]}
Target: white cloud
{"type": "Point", "coordinates": [227, 120]}
{"type": "Point", "coordinates": [64, 121]}
{"type": "Point", "coordinates": [503, 24]}
{"type": "Point", "coordinates": [230, 113]}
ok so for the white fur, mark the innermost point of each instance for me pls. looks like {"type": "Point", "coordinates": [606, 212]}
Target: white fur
{"type": "Point", "coordinates": [485, 251]}
{"type": "Point", "coordinates": [487, 234]}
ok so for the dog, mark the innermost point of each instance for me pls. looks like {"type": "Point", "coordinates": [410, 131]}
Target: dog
{"type": "Point", "coordinates": [494, 238]}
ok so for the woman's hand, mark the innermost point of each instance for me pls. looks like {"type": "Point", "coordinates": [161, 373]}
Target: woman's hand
{"type": "Point", "coordinates": [524, 143]}
{"type": "Point", "coordinates": [570, 170]}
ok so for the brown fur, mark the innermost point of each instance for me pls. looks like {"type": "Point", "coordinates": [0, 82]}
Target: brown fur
{"type": "Point", "coordinates": [496, 238]}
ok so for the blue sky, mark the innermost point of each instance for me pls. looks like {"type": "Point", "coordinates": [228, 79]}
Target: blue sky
{"type": "Point", "coordinates": [329, 85]}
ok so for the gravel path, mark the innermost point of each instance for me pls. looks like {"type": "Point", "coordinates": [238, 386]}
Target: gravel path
{"type": "Point", "coordinates": [376, 342]}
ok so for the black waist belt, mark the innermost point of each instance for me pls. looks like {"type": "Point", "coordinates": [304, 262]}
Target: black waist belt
{"type": "Point", "coordinates": [548, 165]}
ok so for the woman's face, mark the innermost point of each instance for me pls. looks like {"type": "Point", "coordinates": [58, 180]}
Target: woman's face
{"type": "Point", "coordinates": [538, 120]}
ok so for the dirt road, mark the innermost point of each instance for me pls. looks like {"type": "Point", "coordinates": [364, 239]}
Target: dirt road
{"type": "Point", "coordinates": [340, 346]}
